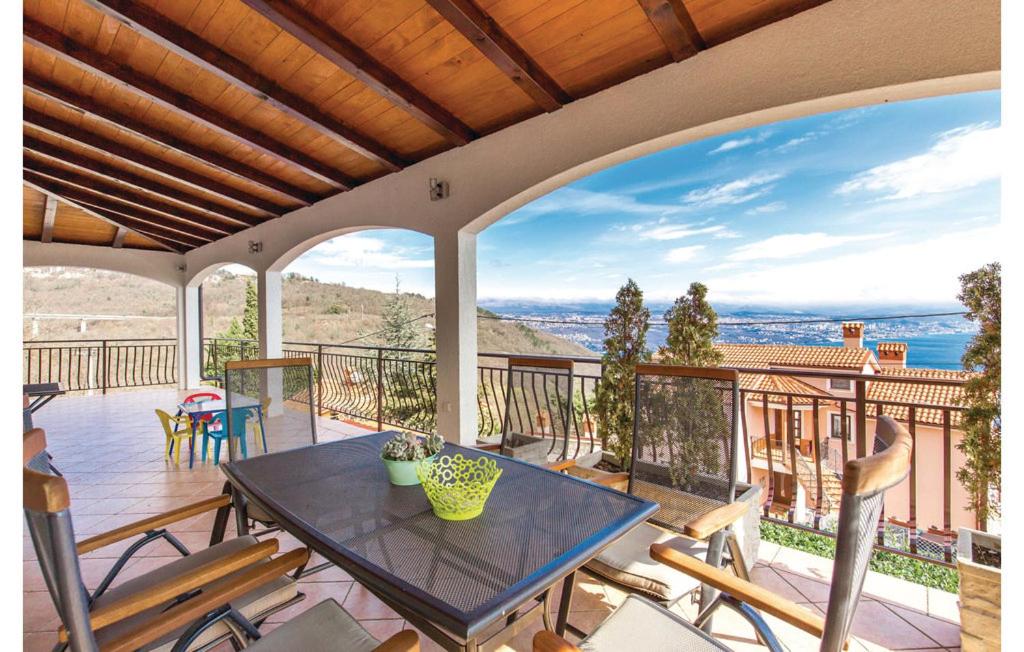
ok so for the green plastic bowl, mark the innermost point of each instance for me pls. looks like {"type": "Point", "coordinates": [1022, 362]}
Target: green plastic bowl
{"type": "Point", "coordinates": [403, 472]}
{"type": "Point", "coordinates": [458, 487]}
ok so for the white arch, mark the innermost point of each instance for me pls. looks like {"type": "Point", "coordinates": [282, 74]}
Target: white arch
{"type": "Point", "coordinates": [289, 256]}
{"type": "Point", "coordinates": [162, 266]}
{"type": "Point", "coordinates": [196, 278]}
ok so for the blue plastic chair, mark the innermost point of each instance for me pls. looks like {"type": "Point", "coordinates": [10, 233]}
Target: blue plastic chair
{"type": "Point", "coordinates": [218, 435]}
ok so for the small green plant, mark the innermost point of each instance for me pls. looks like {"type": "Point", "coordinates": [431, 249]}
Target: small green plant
{"type": "Point", "coordinates": [887, 563]}
{"type": "Point", "coordinates": [410, 448]}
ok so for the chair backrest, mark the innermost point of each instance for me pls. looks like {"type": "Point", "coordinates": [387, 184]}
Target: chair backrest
{"type": "Point", "coordinates": [865, 482]}
{"type": "Point", "coordinates": [258, 384]}
{"type": "Point", "coordinates": [538, 409]}
{"type": "Point", "coordinates": [166, 419]}
{"type": "Point", "coordinates": [685, 434]}
{"type": "Point", "coordinates": [48, 514]}
{"type": "Point", "coordinates": [192, 398]}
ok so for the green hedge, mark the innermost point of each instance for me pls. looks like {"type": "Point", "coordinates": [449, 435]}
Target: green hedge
{"type": "Point", "coordinates": [889, 563]}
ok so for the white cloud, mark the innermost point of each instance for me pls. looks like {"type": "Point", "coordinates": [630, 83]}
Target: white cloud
{"type": "Point", "coordinates": [961, 158]}
{"type": "Point", "coordinates": [674, 231]}
{"type": "Point", "coordinates": [365, 252]}
{"type": "Point", "coordinates": [683, 254]}
{"type": "Point", "coordinates": [734, 192]}
{"type": "Point", "coordinates": [586, 202]}
{"type": "Point", "coordinates": [772, 207]}
{"type": "Point", "coordinates": [791, 245]}
{"type": "Point", "coordinates": [924, 271]}
{"type": "Point", "coordinates": [737, 143]}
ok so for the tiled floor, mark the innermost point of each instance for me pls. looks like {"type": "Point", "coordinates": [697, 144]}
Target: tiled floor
{"type": "Point", "coordinates": [111, 452]}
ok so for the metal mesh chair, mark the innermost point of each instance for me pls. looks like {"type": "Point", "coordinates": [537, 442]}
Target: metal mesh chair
{"type": "Point", "coordinates": [291, 423]}
{"type": "Point", "coordinates": [865, 482]}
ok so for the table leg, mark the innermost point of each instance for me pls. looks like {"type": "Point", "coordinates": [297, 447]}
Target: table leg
{"type": "Point", "coordinates": [565, 603]}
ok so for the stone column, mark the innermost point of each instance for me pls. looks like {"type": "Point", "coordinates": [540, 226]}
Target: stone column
{"type": "Point", "coordinates": [455, 322]}
{"type": "Point", "coordinates": [268, 292]}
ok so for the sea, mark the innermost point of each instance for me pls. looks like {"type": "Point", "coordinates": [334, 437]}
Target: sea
{"type": "Point", "coordinates": [933, 342]}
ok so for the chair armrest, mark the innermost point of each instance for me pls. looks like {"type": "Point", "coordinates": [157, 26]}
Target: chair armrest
{"type": "Point", "coordinates": [153, 522]}
{"type": "Point", "coordinates": [173, 587]}
{"type": "Point", "coordinates": [492, 448]}
{"type": "Point", "coordinates": [545, 641]}
{"type": "Point", "coordinates": [721, 517]}
{"type": "Point", "coordinates": [748, 592]}
{"type": "Point", "coordinates": [618, 481]}
{"type": "Point", "coordinates": [188, 611]}
{"type": "Point", "coordinates": [560, 466]}
{"type": "Point", "coordinates": [404, 641]}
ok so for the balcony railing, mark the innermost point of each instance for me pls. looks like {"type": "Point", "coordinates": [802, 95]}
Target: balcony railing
{"type": "Point", "coordinates": [396, 388]}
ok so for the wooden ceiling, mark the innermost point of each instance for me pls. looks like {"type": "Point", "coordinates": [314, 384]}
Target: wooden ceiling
{"type": "Point", "coordinates": [179, 122]}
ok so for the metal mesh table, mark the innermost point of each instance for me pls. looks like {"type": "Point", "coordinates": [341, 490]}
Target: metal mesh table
{"type": "Point", "coordinates": [462, 576]}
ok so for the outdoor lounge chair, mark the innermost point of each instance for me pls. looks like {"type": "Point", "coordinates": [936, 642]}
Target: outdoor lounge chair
{"type": "Point", "coordinates": [685, 458]}
{"type": "Point", "coordinates": [641, 624]}
{"type": "Point", "coordinates": [116, 614]}
{"type": "Point", "coordinates": [538, 412]}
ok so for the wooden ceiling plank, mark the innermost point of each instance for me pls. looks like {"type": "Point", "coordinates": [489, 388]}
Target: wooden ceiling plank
{"type": "Point", "coordinates": [672, 20]}
{"type": "Point", "coordinates": [49, 218]}
{"type": "Point", "coordinates": [56, 127]}
{"type": "Point", "coordinates": [194, 49]}
{"type": "Point", "coordinates": [483, 32]}
{"type": "Point", "coordinates": [97, 200]}
{"type": "Point", "coordinates": [53, 41]}
{"type": "Point", "coordinates": [128, 196]}
{"type": "Point", "coordinates": [46, 150]}
{"type": "Point", "coordinates": [358, 63]}
{"type": "Point", "coordinates": [119, 237]}
{"type": "Point", "coordinates": [116, 220]}
{"type": "Point", "coordinates": [42, 87]}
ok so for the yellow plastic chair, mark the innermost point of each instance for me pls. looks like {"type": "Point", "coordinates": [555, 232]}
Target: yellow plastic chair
{"type": "Point", "coordinates": [258, 435]}
{"type": "Point", "coordinates": [184, 421]}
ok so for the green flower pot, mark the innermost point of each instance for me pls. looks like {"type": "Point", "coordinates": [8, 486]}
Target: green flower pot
{"type": "Point", "coordinates": [403, 472]}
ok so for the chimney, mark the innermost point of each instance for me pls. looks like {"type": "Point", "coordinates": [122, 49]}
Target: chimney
{"type": "Point", "coordinates": [892, 355]}
{"type": "Point", "coordinates": [853, 334]}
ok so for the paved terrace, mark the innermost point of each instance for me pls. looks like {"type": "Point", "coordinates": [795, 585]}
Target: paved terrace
{"type": "Point", "coordinates": [110, 449]}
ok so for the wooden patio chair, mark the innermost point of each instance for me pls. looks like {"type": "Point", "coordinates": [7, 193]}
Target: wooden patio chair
{"type": "Point", "coordinates": [641, 624]}
{"type": "Point", "coordinates": [685, 458]}
{"type": "Point", "coordinates": [538, 414]}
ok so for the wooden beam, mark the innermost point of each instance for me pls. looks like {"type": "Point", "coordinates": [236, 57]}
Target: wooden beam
{"type": "Point", "coordinates": [672, 20]}
{"type": "Point", "coordinates": [127, 195]}
{"type": "Point", "coordinates": [190, 235]}
{"type": "Point", "coordinates": [334, 47]}
{"type": "Point", "coordinates": [483, 32]}
{"type": "Point", "coordinates": [49, 218]}
{"type": "Point", "coordinates": [119, 237]}
{"type": "Point", "coordinates": [42, 149]}
{"type": "Point", "coordinates": [116, 220]}
{"type": "Point", "coordinates": [55, 42]}
{"type": "Point", "coordinates": [50, 125]}
{"type": "Point", "coordinates": [82, 104]}
{"type": "Point", "coordinates": [191, 47]}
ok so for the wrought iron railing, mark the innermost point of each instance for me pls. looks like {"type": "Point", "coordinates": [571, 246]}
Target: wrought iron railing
{"type": "Point", "coordinates": [99, 365]}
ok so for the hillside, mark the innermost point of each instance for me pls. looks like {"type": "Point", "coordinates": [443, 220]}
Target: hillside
{"type": "Point", "coordinates": [313, 311]}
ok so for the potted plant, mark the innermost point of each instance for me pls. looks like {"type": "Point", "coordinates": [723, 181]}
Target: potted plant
{"type": "Point", "coordinates": [404, 452]}
{"type": "Point", "coordinates": [979, 562]}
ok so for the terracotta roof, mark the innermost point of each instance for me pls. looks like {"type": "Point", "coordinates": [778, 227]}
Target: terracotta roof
{"type": "Point", "coordinates": [938, 395]}
{"type": "Point", "coordinates": [784, 355]}
{"type": "Point", "coordinates": [786, 384]}
{"type": "Point", "coordinates": [895, 347]}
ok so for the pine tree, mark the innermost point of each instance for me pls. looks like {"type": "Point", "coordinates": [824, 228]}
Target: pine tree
{"type": "Point", "coordinates": [399, 331]}
{"type": "Point", "coordinates": [981, 474]}
{"type": "Point", "coordinates": [625, 346]}
{"type": "Point", "coordinates": [251, 316]}
{"type": "Point", "coordinates": [692, 329]}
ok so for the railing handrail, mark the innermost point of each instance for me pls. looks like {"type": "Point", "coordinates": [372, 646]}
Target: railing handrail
{"type": "Point", "coordinates": [104, 339]}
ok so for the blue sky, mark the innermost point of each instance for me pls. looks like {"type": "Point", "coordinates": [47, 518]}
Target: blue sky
{"type": "Point", "coordinates": [881, 205]}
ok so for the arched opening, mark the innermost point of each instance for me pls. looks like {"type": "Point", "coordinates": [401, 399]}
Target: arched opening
{"type": "Point", "coordinates": [228, 316]}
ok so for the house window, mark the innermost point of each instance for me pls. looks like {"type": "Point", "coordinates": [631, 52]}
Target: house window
{"type": "Point", "coordinates": [839, 383]}
{"type": "Point", "coordinates": [798, 427]}
{"type": "Point", "coordinates": [837, 427]}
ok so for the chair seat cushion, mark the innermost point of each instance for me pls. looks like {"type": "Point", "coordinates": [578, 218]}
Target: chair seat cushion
{"type": "Point", "coordinates": [628, 562]}
{"type": "Point", "coordinates": [639, 624]}
{"type": "Point", "coordinates": [324, 628]}
{"type": "Point", "coordinates": [251, 605]}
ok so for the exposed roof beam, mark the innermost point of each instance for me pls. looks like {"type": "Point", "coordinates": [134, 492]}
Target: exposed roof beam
{"type": "Point", "coordinates": [483, 32]}
{"type": "Point", "coordinates": [55, 42]}
{"type": "Point", "coordinates": [49, 218]}
{"type": "Point", "coordinates": [191, 47]}
{"type": "Point", "coordinates": [675, 26]}
{"type": "Point", "coordinates": [128, 196]}
{"type": "Point", "coordinates": [189, 235]}
{"type": "Point", "coordinates": [119, 237]}
{"type": "Point", "coordinates": [44, 88]}
{"type": "Point", "coordinates": [50, 125]}
{"type": "Point", "coordinates": [116, 220]}
{"type": "Point", "coordinates": [356, 62]}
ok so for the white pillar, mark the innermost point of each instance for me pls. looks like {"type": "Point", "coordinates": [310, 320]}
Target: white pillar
{"type": "Point", "coordinates": [268, 293]}
{"type": "Point", "coordinates": [189, 347]}
{"type": "Point", "coordinates": [455, 292]}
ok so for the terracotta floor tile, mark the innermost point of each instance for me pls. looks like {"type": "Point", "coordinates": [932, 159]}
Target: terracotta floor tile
{"type": "Point", "coordinates": [363, 605]}
{"type": "Point", "coordinates": [941, 631]}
